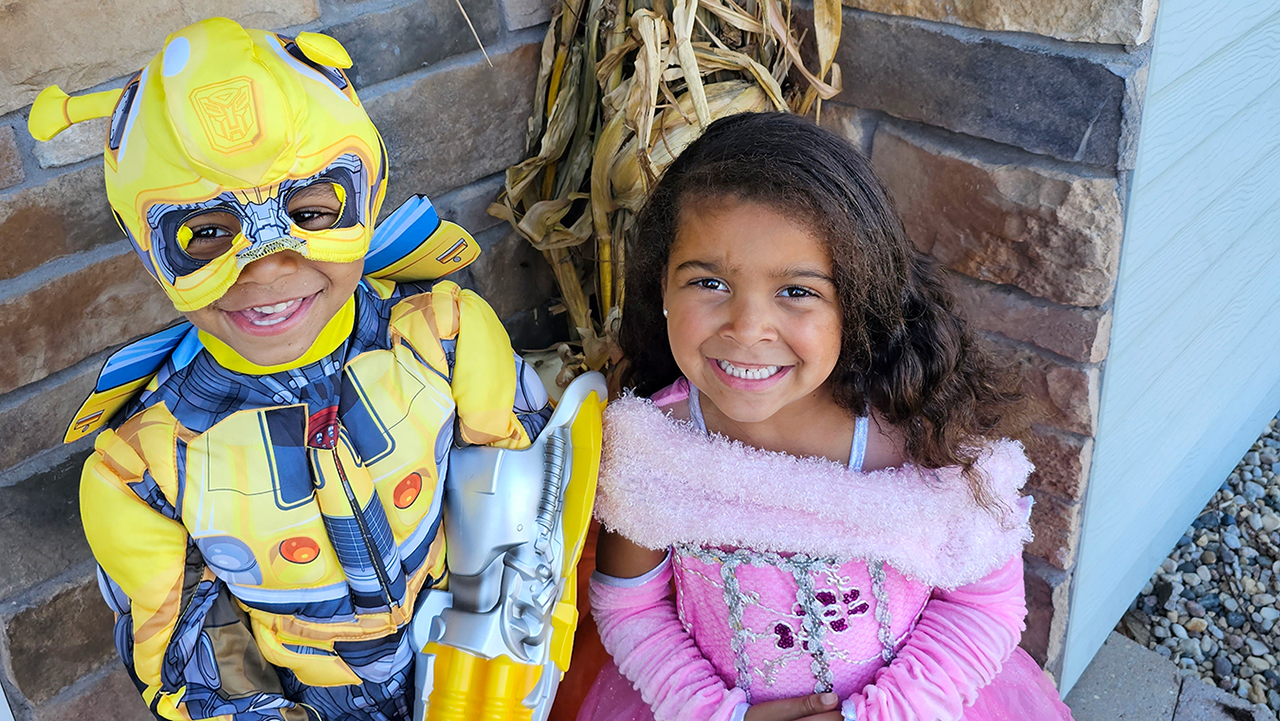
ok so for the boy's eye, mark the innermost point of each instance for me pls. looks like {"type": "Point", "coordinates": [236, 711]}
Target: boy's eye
{"type": "Point", "coordinates": [317, 206]}
{"type": "Point", "coordinates": [209, 235]}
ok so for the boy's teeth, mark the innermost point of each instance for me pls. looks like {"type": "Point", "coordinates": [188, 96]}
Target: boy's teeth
{"type": "Point", "coordinates": [751, 374]}
{"type": "Point", "coordinates": [271, 321]}
{"type": "Point", "coordinates": [269, 309]}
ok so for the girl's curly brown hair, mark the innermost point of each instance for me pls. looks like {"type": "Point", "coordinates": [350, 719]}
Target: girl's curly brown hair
{"type": "Point", "coordinates": [904, 349]}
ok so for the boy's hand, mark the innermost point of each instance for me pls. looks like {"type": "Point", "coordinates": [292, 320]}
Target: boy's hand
{"type": "Point", "coordinates": [814, 707]}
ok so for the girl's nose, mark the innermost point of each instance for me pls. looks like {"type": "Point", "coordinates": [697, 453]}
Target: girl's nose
{"type": "Point", "coordinates": [750, 321]}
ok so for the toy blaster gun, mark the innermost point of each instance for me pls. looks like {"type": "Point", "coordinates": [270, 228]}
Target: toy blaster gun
{"type": "Point", "coordinates": [496, 645]}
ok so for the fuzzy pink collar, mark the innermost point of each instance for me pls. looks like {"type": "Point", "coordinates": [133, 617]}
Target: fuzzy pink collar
{"type": "Point", "coordinates": [663, 482]}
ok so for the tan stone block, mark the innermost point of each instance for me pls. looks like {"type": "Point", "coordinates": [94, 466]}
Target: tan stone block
{"type": "Point", "coordinates": [79, 44]}
{"type": "Point", "coordinates": [66, 215]}
{"type": "Point", "coordinates": [1056, 524]}
{"type": "Point", "coordinates": [1048, 603]}
{"type": "Point", "coordinates": [76, 315]}
{"type": "Point", "coordinates": [76, 143]}
{"type": "Point", "coordinates": [1081, 334]}
{"type": "Point", "coordinates": [1062, 462]}
{"type": "Point", "coordinates": [55, 642]}
{"type": "Point", "coordinates": [1126, 22]}
{"type": "Point", "coordinates": [1054, 234]}
{"type": "Point", "coordinates": [112, 696]}
{"type": "Point", "coordinates": [11, 172]}
{"type": "Point", "coordinates": [1058, 395]}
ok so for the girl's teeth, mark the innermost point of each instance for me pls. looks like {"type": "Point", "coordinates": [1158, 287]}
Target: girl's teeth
{"type": "Point", "coordinates": [751, 374]}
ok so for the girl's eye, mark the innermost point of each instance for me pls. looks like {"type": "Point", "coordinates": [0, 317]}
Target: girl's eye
{"type": "Point", "coordinates": [796, 291]}
{"type": "Point", "coordinates": [709, 283]}
{"type": "Point", "coordinates": [209, 235]}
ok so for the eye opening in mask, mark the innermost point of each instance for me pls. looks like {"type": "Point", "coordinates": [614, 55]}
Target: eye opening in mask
{"type": "Point", "coordinates": [317, 206]}
{"type": "Point", "coordinates": [208, 234]}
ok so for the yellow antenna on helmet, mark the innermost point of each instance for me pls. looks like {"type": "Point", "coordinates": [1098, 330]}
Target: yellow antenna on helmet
{"type": "Point", "coordinates": [54, 111]}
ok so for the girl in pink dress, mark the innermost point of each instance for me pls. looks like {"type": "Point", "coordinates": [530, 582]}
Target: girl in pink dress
{"type": "Point", "coordinates": [820, 467]}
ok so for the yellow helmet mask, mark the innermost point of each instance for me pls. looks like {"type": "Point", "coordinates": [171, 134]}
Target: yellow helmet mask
{"type": "Point", "coordinates": [232, 120]}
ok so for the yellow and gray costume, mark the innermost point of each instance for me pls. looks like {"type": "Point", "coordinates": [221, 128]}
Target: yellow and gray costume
{"type": "Point", "coordinates": [266, 534]}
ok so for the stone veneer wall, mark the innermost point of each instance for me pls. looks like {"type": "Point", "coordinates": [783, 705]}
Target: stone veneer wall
{"type": "Point", "coordinates": [71, 290]}
{"type": "Point", "coordinates": [1006, 130]}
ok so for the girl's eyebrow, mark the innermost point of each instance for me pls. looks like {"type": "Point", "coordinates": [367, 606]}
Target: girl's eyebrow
{"type": "Point", "coordinates": [708, 266]}
{"type": "Point", "coordinates": [802, 272]}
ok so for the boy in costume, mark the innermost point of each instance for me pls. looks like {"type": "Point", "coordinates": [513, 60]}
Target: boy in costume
{"type": "Point", "coordinates": [265, 504]}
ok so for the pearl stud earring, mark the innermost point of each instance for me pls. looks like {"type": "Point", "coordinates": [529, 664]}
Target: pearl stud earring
{"type": "Point", "coordinates": [664, 313]}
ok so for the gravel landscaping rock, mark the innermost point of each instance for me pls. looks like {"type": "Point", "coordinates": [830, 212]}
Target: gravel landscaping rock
{"type": "Point", "coordinates": [1211, 606]}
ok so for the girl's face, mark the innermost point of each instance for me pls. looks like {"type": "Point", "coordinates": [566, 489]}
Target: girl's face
{"type": "Point", "coordinates": [753, 317]}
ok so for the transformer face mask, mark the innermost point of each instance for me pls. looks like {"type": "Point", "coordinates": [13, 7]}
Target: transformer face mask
{"type": "Point", "coordinates": [234, 122]}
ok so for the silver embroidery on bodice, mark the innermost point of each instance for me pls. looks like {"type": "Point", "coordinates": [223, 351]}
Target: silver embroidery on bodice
{"type": "Point", "coordinates": [810, 610]}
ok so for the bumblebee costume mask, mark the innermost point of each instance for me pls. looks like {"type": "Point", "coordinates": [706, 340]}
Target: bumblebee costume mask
{"type": "Point", "coordinates": [269, 536]}
{"type": "Point", "coordinates": [233, 120]}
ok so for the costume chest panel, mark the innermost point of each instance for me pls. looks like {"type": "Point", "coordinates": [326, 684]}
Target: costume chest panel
{"type": "Point", "coordinates": [261, 497]}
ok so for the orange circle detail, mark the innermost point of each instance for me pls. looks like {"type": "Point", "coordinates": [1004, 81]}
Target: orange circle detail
{"type": "Point", "coordinates": [407, 490]}
{"type": "Point", "coordinates": [299, 549]}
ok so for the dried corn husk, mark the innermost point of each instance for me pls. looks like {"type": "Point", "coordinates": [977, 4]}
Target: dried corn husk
{"type": "Point", "coordinates": [623, 88]}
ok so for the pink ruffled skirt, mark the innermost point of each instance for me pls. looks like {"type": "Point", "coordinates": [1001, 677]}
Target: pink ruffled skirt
{"type": "Point", "coordinates": [1022, 692]}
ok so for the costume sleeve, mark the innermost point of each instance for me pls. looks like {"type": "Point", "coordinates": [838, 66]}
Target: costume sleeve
{"type": "Point", "coordinates": [179, 635]}
{"type": "Point", "coordinates": [456, 333]}
{"type": "Point", "coordinates": [958, 646]}
{"type": "Point", "coordinates": [639, 627]}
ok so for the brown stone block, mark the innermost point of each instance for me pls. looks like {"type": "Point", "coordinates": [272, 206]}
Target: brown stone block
{"type": "Point", "coordinates": [76, 315]}
{"type": "Point", "coordinates": [456, 125]}
{"type": "Point", "coordinates": [510, 273]}
{"type": "Point", "coordinates": [78, 45]}
{"type": "Point", "coordinates": [34, 419]}
{"type": "Point", "coordinates": [11, 172]}
{"type": "Point", "coordinates": [1053, 234]}
{"type": "Point", "coordinates": [1062, 462]}
{"type": "Point", "coordinates": [856, 125]}
{"type": "Point", "coordinates": [44, 507]}
{"type": "Point", "coordinates": [1125, 22]}
{"type": "Point", "coordinates": [1058, 394]}
{"type": "Point", "coordinates": [1048, 602]}
{"type": "Point", "coordinates": [1056, 524]}
{"type": "Point", "coordinates": [112, 696]}
{"type": "Point", "coordinates": [54, 643]}
{"type": "Point", "coordinates": [1081, 334]}
{"type": "Point", "coordinates": [65, 215]}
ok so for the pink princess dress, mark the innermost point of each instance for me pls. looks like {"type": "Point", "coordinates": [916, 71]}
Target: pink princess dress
{"type": "Point", "coordinates": [796, 576]}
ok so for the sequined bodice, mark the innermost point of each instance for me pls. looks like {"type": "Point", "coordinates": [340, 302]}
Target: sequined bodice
{"type": "Point", "coordinates": [778, 625]}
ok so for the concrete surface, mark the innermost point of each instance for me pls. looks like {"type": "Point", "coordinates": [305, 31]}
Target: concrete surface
{"type": "Point", "coordinates": [1128, 682]}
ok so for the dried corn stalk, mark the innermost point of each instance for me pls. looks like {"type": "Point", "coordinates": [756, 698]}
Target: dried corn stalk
{"type": "Point", "coordinates": [624, 87]}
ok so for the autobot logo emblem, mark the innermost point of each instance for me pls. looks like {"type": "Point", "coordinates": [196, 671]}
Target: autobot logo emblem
{"type": "Point", "coordinates": [227, 113]}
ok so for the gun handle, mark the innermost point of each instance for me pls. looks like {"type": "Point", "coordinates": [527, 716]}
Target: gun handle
{"type": "Point", "coordinates": [470, 688]}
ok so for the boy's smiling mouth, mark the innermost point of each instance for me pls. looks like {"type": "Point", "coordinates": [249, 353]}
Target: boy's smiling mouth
{"type": "Point", "coordinates": [271, 318]}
